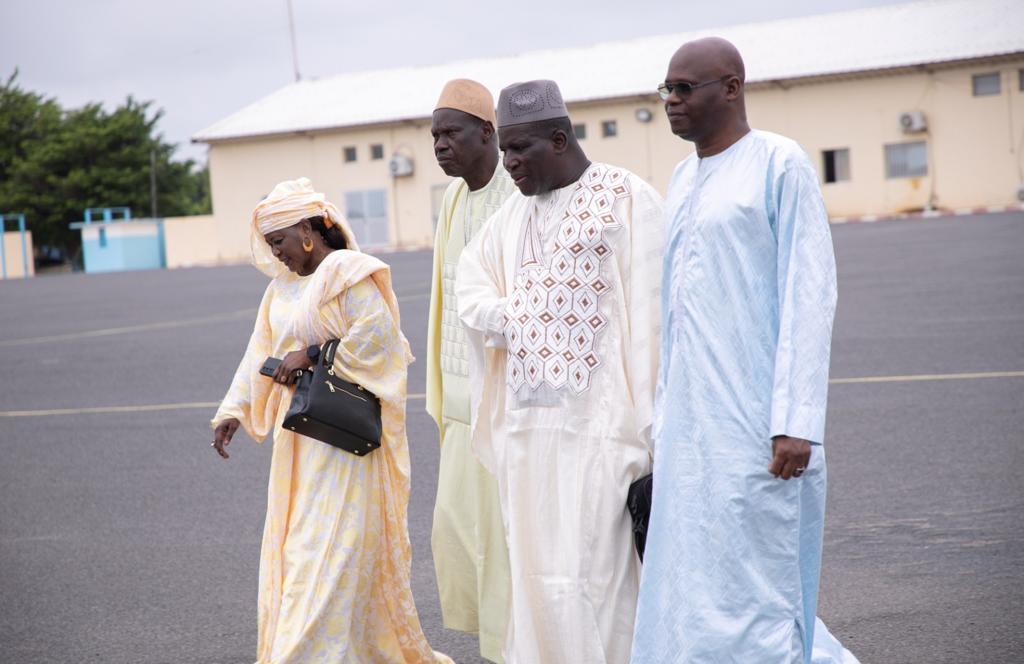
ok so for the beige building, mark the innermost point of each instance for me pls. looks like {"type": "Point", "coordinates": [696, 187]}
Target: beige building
{"type": "Point", "coordinates": [902, 108]}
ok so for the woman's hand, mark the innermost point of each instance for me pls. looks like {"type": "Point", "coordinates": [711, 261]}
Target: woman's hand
{"type": "Point", "coordinates": [222, 436]}
{"type": "Point", "coordinates": [290, 364]}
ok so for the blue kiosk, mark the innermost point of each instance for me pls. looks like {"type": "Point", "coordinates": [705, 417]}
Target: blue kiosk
{"type": "Point", "coordinates": [115, 242]}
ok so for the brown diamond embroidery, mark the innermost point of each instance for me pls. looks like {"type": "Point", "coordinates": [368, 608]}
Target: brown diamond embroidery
{"type": "Point", "coordinates": [541, 305]}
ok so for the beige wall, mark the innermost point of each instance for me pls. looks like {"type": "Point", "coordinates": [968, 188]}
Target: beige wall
{"type": "Point", "coordinates": [974, 148]}
{"type": "Point", "coordinates": [243, 172]}
{"type": "Point", "coordinates": [12, 252]}
{"type": "Point", "coordinates": [973, 142]}
{"type": "Point", "coordinates": [187, 241]}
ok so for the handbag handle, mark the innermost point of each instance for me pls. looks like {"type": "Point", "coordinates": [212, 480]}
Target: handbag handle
{"type": "Point", "coordinates": [327, 352]}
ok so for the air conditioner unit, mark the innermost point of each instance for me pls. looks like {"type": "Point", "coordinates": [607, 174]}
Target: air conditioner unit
{"type": "Point", "coordinates": [400, 166]}
{"type": "Point", "coordinates": [913, 122]}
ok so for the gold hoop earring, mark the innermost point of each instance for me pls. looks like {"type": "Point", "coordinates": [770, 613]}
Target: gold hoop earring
{"type": "Point", "coordinates": [307, 245]}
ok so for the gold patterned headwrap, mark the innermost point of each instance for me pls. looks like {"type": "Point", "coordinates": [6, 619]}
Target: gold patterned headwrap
{"type": "Point", "coordinates": [289, 203]}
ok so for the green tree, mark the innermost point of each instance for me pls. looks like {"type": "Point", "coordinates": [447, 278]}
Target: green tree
{"type": "Point", "coordinates": [54, 163]}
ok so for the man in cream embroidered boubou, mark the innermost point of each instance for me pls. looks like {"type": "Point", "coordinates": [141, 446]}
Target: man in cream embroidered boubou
{"type": "Point", "coordinates": [560, 289]}
{"type": "Point", "coordinates": [467, 538]}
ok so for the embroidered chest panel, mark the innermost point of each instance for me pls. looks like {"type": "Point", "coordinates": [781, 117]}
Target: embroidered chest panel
{"type": "Point", "coordinates": [552, 319]}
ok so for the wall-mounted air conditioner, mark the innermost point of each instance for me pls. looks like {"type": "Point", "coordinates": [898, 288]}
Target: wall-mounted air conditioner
{"type": "Point", "coordinates": [399, 166]}
{"type": "Point", "coordinates": [913, 122]}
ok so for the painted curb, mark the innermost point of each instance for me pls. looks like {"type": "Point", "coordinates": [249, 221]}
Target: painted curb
{"type": "Point", "coordinates": [928, 214]}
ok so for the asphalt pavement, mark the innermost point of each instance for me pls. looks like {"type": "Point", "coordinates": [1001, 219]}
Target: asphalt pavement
{"type": "Point", "coordinates": [124, 538]}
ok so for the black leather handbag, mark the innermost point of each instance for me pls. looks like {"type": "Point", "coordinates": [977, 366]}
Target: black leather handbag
{"type": "Point", "coordinates": [638, 502]}
{"type": "Point", "coordinates": [332, 410]}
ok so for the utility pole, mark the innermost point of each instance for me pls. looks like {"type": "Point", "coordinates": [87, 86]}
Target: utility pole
{"type": "Point", "coordinates": [152, 183]}
{"type": "Point", "coordinates": [295, 51]}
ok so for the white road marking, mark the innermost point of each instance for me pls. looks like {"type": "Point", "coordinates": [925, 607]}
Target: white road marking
{"type": "Point", "coordinates": [128, 329]}
{"type": "Point", "coordinates": [420, 395]}
{"type": "Point", "coordinates": [927, 377]}
{"type": "Point", "coordinates": [148, 408]}
{"type": "Point", "coordinates": [148, 327]}
{"type": "Point", "coordinates": [206, 405]}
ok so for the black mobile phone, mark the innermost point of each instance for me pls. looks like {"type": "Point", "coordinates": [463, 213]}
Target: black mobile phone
{"type": "Point", "coordinates": [270, 366]}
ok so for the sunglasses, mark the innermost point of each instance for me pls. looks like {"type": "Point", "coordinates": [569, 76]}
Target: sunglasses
{"type": "Point", "coordinates": [684, 90]}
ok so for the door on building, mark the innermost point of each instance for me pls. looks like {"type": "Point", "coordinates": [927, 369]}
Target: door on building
{"type": "Point", "coordinates": [367, 213]}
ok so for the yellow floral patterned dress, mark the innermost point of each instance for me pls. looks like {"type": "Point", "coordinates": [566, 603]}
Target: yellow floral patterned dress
{"type": "Point", "coordinates": [335, 561]}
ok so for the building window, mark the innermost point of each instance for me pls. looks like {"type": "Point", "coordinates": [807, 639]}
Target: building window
{"type": "Point", "coordinates": [906, 160]}
{"type": "Point", "coordinates": [836, 165]}
{"type": "Point", "coordinates": [367, 214]}
{"type": "Point", "coordinates": [985, 84]}
{"type": "Point", "coordinates": [349, 154]}
{"type": "Point", "coordinates": [609, 128]}
{"type": "Point", "coordinates": [1020, 81]}
{"type": "Point", "coordinates": [436, 201]}
{"type": "Point", "coordinates": [376, 151]}
{"type": "Point", "coordinates": [103, 238]}
{"type": "Point", "coordinates": [580, 130]}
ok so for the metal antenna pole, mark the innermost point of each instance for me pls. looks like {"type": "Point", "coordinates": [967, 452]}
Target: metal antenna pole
{"type": "Point", "coordinates": [295, 51]}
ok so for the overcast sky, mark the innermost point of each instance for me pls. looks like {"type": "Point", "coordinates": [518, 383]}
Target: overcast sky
{"type": "Point", "coordinates": [201, 60]}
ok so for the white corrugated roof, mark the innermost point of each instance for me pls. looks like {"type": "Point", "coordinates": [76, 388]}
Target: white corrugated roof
{"type": "Point", "coordinates": [868, 39]}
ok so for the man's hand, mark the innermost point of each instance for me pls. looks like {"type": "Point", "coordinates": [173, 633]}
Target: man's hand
{"type": "Point", "coordinates": [291, 363]}
{"type": "Point", "coordinates": [790, 457]}
{"type": "Point", "coordinates": [222, 436]}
